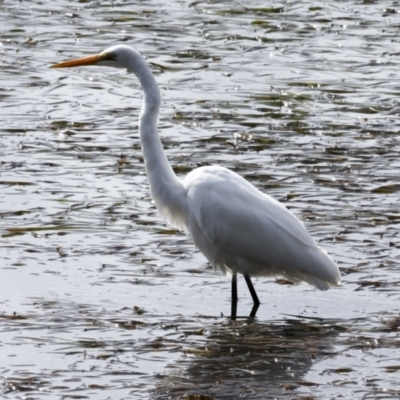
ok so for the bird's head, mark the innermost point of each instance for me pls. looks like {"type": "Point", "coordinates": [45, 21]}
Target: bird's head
{"type": "Point", "coordinates": [120, 56]}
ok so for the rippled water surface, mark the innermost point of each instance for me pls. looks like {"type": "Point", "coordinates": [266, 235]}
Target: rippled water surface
{"type": "Point", "coordinates": [99, 298]}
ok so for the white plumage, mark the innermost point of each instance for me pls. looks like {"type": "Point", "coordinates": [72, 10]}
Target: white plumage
{"type": "Point", "coordinates": [238, 228]}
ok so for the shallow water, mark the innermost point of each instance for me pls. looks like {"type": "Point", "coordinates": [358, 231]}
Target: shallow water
{"type": "Point", "coordinates": [99, 298]}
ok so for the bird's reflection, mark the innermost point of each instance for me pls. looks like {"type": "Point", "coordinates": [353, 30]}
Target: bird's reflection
{"type": "Point", "coordinates": [249, 359]}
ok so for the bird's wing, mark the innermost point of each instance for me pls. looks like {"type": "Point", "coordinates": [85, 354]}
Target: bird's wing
{"type": "Point", "coordinates": [246, 223]}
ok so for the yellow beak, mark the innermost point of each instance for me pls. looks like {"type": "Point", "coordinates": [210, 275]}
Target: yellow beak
{"type": "Point", "coordinates": [89, 60]}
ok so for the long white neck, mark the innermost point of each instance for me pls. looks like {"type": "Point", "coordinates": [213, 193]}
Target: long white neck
{"type": "Point", "coordinates": [166, 189]}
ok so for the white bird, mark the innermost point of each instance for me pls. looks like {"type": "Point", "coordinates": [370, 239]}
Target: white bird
{"type": "Point", "coordinates": [238, 228]}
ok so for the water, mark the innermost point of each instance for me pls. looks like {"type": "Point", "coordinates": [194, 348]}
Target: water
{"type": "Point", "coordinates": [99, 298]}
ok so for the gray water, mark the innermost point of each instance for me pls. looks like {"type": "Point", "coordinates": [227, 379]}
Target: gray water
{"type": "Point", "coordinates": [99, 299]}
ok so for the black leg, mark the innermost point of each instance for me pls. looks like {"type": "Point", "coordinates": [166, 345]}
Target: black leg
{"type": "Point", "coordinates": [253, 295]}
{"type": "Point", "coordinates": [234, 296]}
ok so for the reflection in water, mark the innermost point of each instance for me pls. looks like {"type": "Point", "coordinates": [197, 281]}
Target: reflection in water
{"type": "Point", "coordinates": [250, 360]}
{"type": "Point", "coordinates": [134, 354]}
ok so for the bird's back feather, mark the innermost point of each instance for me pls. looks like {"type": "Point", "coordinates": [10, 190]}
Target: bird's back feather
{"type": "Point", "coordinates": [240, 229]}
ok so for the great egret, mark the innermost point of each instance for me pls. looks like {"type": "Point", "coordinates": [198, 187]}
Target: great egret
{"type": "Point", "coordinates": [238, 228]}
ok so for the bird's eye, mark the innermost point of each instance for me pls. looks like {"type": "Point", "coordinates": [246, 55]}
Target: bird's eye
{"type": "Point", "coordinates": [110, 56]}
